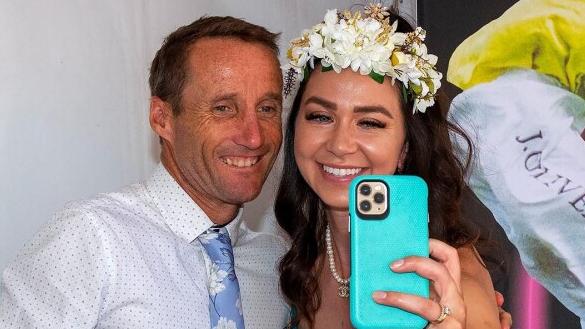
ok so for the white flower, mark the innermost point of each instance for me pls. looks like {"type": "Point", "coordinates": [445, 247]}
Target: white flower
{"type": "Point", "coordinates": [398, 38]}
{"type": "Point", "coordinates": [239, 306]}
{"type": "Point", "coordinates": [432, 59]}
{"type": "Point", "coordinates": [364, 45]}
{"type": "Point", "coordinates": [224, 323]}
{"type": "Point", "coordinates": [369, 27]}
{"type": "Point", "coordinates": [316, 45]}
{"type": "Point", "coordinates": [215, 277]}
{"type": "Point", "coordinates": [330, 21]}
{"type": "Point", "coordinates": [421, 104]}
{"type": "Point", "coordinates": [422, 34]}
{"type": "Point", "coordinates": [208, 236]}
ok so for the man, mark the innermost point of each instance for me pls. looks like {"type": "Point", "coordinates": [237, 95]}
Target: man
{"type": "Point", "coordinates": [139, 258]}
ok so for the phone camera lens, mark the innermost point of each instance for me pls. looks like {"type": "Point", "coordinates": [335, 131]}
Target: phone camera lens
{"type": "Point", "coordinates": [379, 198]}
{"type": "Point", "coordinates": [365, 189]}
{"type": "Point", "coordinates": [365, 205]}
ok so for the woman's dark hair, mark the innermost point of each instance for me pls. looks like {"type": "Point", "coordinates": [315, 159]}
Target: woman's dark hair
{"type": "Point", "coordinates": [300, 212]}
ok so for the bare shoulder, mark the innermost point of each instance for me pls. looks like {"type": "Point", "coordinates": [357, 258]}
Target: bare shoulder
{"type": "Point", "coordinates": [472, 264]}
{"type": "Point", "coordinates": [478, 291]}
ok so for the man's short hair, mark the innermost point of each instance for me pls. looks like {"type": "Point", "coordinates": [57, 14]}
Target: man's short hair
{"type": "Point", "coordinates": [168, 72]}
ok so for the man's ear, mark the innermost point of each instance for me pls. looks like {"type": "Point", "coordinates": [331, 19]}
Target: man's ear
{"type": "Point", "coordinates": [402, 158]}
{"type": "Point", "coordinates": [161, 119]}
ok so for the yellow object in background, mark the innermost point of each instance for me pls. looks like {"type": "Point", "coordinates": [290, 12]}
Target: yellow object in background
{"type": "Point", "coordinates": [544, 35]}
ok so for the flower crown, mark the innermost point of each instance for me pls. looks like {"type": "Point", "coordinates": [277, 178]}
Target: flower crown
{"type": "Point", "coordinates": [369, 45]}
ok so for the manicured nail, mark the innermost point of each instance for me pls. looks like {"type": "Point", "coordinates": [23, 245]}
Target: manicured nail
{"type": "Point", "coordinates": [379, 295]}
{"type": "Point", "coordinates": [397, 264]}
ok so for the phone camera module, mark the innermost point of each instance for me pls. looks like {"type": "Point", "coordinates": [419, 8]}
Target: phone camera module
{"type": "Point", "coordinates": [365, 205]}
{"type": "Point", "coordinates": [379, 198]}
{"type": "Point", "coordinates": [365, 189]}
{"type": "Point", "coordinates": [371, 199]}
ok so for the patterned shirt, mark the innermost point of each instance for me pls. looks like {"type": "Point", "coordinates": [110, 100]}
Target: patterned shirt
{"type": "Point", "coordinates": [131, 260]}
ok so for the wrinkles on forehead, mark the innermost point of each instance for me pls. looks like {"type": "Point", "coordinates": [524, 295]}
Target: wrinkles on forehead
{"type": "Point", "coordinates": [221, 60]}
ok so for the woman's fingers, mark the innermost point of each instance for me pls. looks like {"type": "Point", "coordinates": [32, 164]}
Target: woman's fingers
{"type": "Point", "coordinates": [443, 270]}
{"type": "Point", "coordinates": [448, 256]}
{"type": "Point", "coordinates": [499, 299]}
{"type": "Point", "coordinates": [424, 266]}
{"type": "Point", "coordinates": [424, 307]}
{"type": "Point", "coordinates": [436, 272]}
{"type": "Point", "coordinates": [505, 317]}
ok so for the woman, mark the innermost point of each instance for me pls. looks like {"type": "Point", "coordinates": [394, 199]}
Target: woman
{"type": "Point", "coordinates": [363, 81]}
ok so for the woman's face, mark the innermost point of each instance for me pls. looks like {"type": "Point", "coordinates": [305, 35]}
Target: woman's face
{"type": "Point", "coordinates": [347, 125]}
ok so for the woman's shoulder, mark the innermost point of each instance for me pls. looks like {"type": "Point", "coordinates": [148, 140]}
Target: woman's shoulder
{"type": "Point", "coordinates": [473, 270]}
{"type": "Point", "coordinates": [472, 264]}
{"type": "Point", "coordinates": [476, 286]}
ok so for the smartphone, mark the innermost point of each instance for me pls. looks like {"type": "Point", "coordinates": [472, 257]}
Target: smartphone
{"type": "Point", "coordinates": [388, 221]}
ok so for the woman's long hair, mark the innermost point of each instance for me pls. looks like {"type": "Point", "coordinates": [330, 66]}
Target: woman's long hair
{"type": "Point", "coordinates": [300, 212]}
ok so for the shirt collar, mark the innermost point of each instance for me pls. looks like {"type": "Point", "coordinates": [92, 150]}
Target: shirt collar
{"type": "Point", "coordinates": [182, 215]}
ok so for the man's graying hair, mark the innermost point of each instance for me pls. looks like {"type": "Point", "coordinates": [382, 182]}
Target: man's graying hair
{"type": "Point", "coordinates": [168, 72]}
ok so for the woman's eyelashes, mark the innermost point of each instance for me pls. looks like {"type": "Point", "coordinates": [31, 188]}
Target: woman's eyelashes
{"type": "Point", "coordinates": [371, 123]}
{"type": "Point", "coordinates": [318, 117]}
{"type": "Point", "coordinates": [322, 118]}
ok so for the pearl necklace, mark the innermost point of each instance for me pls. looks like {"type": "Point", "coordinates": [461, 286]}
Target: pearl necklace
{"type": "Point", "coordinates": [343, 289]}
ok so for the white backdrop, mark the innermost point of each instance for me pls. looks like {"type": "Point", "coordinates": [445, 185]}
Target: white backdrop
{"type": "Point", "coordinates": [74, 97]}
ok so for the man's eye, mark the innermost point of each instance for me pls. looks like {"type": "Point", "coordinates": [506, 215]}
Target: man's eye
{"type": "Point", "coordinates": [221, 109]}
{"type": "Point", "coordinates": [318, 118]}
{"type": "Point", "coordinates": [268, 109]}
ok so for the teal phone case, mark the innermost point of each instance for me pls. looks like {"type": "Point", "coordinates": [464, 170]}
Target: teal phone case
{"type": "Point", "coordinates": [376, 243]}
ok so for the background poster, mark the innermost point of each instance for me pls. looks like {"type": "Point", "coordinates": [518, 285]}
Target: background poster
{"type": "Point", "coordinates": [448, 24]}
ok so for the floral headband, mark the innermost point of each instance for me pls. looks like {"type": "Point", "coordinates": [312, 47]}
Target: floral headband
{"type": "Point", "coordinates": [369, 45]}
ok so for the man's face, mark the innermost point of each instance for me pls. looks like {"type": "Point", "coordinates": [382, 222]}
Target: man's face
{"type": "Point", "coordinates": [228, 134]}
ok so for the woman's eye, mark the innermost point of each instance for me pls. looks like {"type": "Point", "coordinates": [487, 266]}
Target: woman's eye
{"type": "Point", "coordinates": [318, 117]}
{"type": "Point", "coordinates": [371, 124]}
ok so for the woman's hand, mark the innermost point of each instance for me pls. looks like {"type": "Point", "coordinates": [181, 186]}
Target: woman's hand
{"type": "Point", "coordinates": [445, 309]}
{"type": "Point", "coordinates": [505, 317]}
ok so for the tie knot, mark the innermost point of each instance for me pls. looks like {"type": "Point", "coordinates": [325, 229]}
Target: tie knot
{"type": "Point", "coordinates": [218, 245]}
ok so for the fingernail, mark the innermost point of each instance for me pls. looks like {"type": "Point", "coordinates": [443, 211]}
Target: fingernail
{"type": "Point", "coordinates": [397, 264]}
{"type": "Point", "coordinates": [379, 295]}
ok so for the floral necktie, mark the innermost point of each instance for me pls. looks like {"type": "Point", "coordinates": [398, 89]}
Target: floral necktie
{"type": "Point", "coordinates": [225, 307]}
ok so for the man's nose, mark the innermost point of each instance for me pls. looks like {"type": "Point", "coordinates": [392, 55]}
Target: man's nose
{"type": "Point", "coordinates": [250, 132]}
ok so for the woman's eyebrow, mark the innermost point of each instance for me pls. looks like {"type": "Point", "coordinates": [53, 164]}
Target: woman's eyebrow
{"type": "Point", "coordinates": [373, 109]}
{"type": "Point", "coordinates": [322, 102]}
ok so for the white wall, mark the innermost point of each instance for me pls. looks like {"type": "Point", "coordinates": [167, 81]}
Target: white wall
{"type": "Point", "coordinates": [74, 96]}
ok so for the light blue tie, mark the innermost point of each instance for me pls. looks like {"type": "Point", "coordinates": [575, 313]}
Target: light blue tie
{"type": "Point", "coordinates": [225, 307]}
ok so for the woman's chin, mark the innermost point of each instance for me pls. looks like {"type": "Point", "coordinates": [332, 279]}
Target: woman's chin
{"type": "Point", "coordinates": [336, 205]}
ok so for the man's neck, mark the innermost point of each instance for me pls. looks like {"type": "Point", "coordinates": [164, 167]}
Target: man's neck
{"type": "Point", "coordinates": [218, 212]}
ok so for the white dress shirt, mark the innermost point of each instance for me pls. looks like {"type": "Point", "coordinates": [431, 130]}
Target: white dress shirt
{"type": "Point", "coordinates": [131, 260]}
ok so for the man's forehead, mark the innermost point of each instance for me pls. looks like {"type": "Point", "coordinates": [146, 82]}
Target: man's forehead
{"type": "Point", "coordinates": [216, 58]}
{"type": "Point", "coordinates": [222, 48]}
